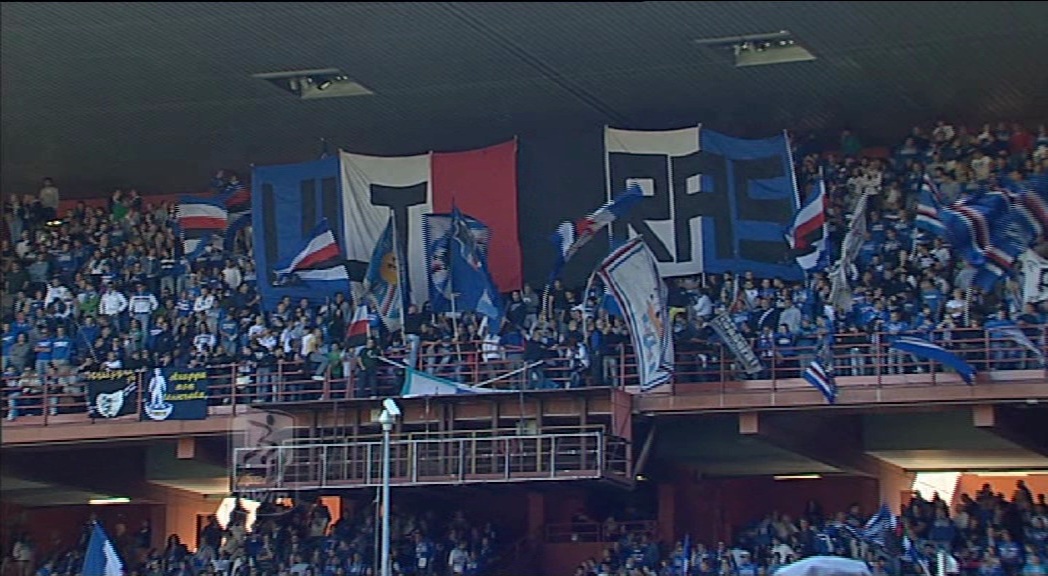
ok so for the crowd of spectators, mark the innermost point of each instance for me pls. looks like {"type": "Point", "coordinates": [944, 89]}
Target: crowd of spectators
{"type": "Point", "coordinates": [298, 540]}
{"type": "Point", "coordinates": [985, 535]}
{"type": "Point", "coordinates": [109, 287]}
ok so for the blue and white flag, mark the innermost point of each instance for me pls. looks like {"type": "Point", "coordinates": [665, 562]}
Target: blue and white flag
{"type": "Point", "coordinates": [879, 526]}
{"type": "Point", "coordinates": [200, 220]}
{"type": "Point", "coordinates": [969, 224]}
{"type": "Point", "coordinates": [927, 351]}
{"type": "Point", "coordinates": [570, 236]}
{"type": "Point", "coordinates": [320, 260]}
{"type": "Point", "coordinates": [101, 558]}
{"type": "Point", "coordinates": [808, 234]}
{"type": "Point", "coordinates": [236, 197]}
{"type": "Point", "coordinates": [631, 275]}
{"type": "Point", "coordinates": [1008, 330]}
{"type": "Point", "coordinates": [913, 555]}
{"type": "Point", "coordinates": [436, 234]}
{"type": "Point", "coordinates": [458, 268]}
{"type": "Point", "coordinates": [928, 206]}
{"type": "Point", "coordinates": [418, 383]}
{"type": "Point", "coordinates": [383, 281]}
{"type": "Point", "coordinates": [822, 379]}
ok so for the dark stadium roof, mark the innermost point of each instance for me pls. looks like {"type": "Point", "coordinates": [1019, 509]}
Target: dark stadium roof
{"type": "Point", "coordinates": [159, 94]}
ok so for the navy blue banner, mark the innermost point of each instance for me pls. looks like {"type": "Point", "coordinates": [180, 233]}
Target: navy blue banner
{"type": "Point", "coordinates": [172, 394]}
{"type": "Point", "coordinates": [712, 203]}
{"type": "Point", "coordinates": [288, 201]}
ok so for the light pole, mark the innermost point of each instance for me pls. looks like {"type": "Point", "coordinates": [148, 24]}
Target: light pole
{"type": "Point", "coordinates": [389, 415]}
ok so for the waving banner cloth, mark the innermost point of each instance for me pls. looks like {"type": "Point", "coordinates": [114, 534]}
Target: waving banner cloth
{"type": "Point", "coordinates": [631, 275]}
{"type": "Point", "coordinates": [736, 343]}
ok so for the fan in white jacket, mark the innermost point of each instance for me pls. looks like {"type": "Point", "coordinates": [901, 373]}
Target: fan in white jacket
{"type": "Point", "coordinates": [112, 303]}
{"type": "Point", "coordinates": [56, 291]}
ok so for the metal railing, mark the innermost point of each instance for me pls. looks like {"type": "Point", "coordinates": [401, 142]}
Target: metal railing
{"type": "Point", "coordinates": [701, 367]}
{"type": "Point", "coordinates": [563, 456]}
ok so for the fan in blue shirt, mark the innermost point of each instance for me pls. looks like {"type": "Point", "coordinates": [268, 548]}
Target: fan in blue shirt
{"type": "Point", "coordinates": [61, 347]}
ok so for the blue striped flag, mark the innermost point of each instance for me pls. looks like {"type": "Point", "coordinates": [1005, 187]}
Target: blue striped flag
{"type": "Point", "coordinates": [808, 235]}
{"type": "Point", "coordinates": [913, 555]}
{"type": "Point", "coordinates": [570, 236]}
{"type": "Point", "coordinates": [199, 220]}
{"type": "Point", "coordinates": [879, 526]}
{"type": "Point", "coordinates": [969, 223]}
{"type": "Point", "coordinates": [822, 379]}
{"type": "Point", "coordinates": [924, 349]}
{"type": "Point", "coordinates": [101, 558]}
{"type": "Point", "coordinates": [928, 205]}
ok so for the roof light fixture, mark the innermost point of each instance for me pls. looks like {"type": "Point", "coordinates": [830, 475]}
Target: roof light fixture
{"type": "Point", "coordinates": [315, 83]}
{"type": "Point", "coordinates": [760, 49]}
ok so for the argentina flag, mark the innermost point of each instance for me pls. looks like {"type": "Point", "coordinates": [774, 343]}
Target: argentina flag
{"type": "Point", "coordinates": [101, 558]}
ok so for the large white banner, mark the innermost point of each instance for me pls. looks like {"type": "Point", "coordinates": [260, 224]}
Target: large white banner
{"type": "Point", "coordinates": [373, 188]}
{"type": "Point", "coordinates": [632, 276]}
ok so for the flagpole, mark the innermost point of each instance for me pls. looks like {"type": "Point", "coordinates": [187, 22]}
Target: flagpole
{"type": "Point", "coordinates": [454, 316]}
{"type": "Point", "coordinates": [400, 278]}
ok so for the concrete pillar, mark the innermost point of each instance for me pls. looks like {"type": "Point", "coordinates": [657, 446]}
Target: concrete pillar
{"type": "Point", "coordinates": [894, 487]}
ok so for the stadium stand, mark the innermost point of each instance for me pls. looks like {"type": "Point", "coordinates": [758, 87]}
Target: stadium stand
{"type": "Point", "coordinates": [110, 288]}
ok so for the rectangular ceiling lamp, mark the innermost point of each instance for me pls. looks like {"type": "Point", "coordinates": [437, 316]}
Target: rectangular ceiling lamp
{"type": "Point", "coordinates": [315, 83]}
{"type": "Point", "coordinates": [798, 477]}
{"type": "Point", "coordinates": [773, 55]}
{"type": "Point", "coordinates": [104, 501]}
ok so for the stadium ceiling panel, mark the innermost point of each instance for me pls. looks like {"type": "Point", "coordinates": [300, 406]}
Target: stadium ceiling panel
{"type": "Point", "coordinates": [161, 93]}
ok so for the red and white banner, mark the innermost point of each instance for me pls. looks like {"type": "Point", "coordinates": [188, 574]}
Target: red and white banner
{"type": "Point", "coordinates": [481, 183]}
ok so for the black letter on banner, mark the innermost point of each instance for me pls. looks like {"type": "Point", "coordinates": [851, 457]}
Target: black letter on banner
{"type": "Point", "coordinates": [269, 225]}
{"type": "Point", "coordinates": [329, 205]}
{"type": "Point", "coordinates": [712, 204]}
{"type": "Point", "coordinates": [399, 199]}
{"type": "Point", "coordinates": [307, 190]}
{"type": "Point", "coordinates": [776, 212]}
{"type": "Point", "coordinates": [622, 167]}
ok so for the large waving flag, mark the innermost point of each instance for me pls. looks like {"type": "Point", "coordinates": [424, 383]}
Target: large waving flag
{"type": "Point", "coordinates": [928, 205]}
{"type": "Point", "coordinates": [840, 292]}
{"type": "Point", "coordinates": [632, 276]}
{"type": "Point", "coordinates": [320, 260]}
{"type": "Point", "coordinates": [926, 350]}
{"type": "Point", "coordinates": [471, 282]}
{"type": "Point", "coordinates": [570, 236]}
{"type": "Point", "coordinates": [807, 236]}
{"type": "Point", "coordinates": [199, 220]}
{"type": "Point", "coordinates": [236, 197]}
{"type": "Point", "coordinates": [384, 277]}
{"type": "Point", "coordinates": [969, 222]}
{"type": "Point", "coordinates": [101, 558]}
{"type": "Point", "coordinates": [436, 233]}
{"type": "Point", "coordinates": [993, 228]}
